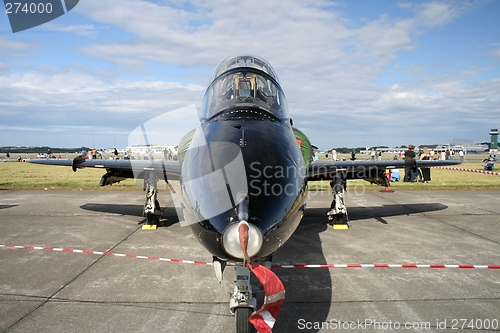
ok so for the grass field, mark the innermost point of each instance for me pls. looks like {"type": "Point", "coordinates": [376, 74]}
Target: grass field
{"type": "Point", "coordinates": [26, 176]}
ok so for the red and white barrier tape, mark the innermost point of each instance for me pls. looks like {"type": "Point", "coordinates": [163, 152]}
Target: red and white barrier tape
{"type": "Point", "coordinates": [471, 170]}
{"type": "Point", "coordinates": [112, 254]}
{"type": "Point", "coordinates": [388, 266]}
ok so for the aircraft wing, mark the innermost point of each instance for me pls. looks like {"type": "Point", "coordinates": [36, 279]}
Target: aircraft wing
{"type": "Point", "coordinates": [117, 170]}
{"type": "Point", "coordinates": [327, 170]}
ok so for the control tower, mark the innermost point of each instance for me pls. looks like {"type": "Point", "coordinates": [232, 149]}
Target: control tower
{"type": "Point", "coordinates": [494, 140]}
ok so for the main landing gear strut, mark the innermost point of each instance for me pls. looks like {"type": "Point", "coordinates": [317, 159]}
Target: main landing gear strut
{"type": "Point", "coordinates": [152, 208]}
{"type": "Point", "coordinates": [337, 215]}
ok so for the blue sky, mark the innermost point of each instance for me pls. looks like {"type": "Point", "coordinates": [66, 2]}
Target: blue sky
{"type": "Point", "coordinates": [354, 73]}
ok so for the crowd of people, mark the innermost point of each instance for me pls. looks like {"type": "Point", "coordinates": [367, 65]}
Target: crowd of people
{"type": "Point", "coordinates": [168, 154]}
{"type": "Point", "coordinates": [412, 173]}
{"type": "Point", "coordinates": [448, 154]}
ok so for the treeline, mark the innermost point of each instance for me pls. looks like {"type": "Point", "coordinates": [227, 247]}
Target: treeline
{"type": "Point", "coordinates": [42, 149]}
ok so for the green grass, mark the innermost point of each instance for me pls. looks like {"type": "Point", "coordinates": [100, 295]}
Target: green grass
{"type": "Point", "coordinates": [441, 180]}
{"type": "Point", "coordinates": [25, 176]}
{"type": "Point", "coordinates": [456, 180]}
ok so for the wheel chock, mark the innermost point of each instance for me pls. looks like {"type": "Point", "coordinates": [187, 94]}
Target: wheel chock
{"type": "Point", "coordinates": [149, 227]}
{"type": "Point", "coordinates": [340, 226]}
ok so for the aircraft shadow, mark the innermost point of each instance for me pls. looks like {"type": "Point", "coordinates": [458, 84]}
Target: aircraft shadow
{"type": "Point", "coordinates": [379, 212]}
{"type": "Point", "coordinates": [309, 291]}
{"type": "Point", "coordinates": [7, 206]}
{"type": "Point", "coordinates": [169, 213]}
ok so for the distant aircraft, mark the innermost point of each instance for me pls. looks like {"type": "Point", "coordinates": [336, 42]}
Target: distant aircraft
{"type": "Point", "coordinates": [243, 176]}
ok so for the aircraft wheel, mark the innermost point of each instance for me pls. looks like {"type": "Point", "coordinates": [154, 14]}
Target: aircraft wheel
{"type": "Point", "coordinates": [152, 219]}
{"type": "Point", "coordinates": [338, 219]}
{"type": "Point", "coordinates": [242, 324]}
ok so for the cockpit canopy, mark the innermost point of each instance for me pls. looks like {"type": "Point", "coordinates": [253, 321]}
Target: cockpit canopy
{"type": "Point", "coordinates": [244, 83]}
{"type": "Point", "coordinates": [245, 61]}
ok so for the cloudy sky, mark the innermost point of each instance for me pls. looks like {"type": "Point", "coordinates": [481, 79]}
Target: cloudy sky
{"type": "Point", "coordinates": [355, 73]}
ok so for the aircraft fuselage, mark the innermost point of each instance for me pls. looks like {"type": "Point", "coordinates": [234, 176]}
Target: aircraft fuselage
{"type": "Point", "coordinates": [244, 150]}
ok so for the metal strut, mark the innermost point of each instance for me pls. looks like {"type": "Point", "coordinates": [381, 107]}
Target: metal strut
{"type": "Point", "coordinates": [151, 207]}
{"type": "Point", "coordinates": [337, 215]}
{"type": "Point", "coordinates": [242, 302]}
{"type": "Point", "coordinates": [242, 295]}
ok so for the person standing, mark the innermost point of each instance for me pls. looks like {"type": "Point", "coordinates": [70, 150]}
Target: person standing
{"type": "Point", "coordinates": [426, 172]}
{"type": "Point", "coordinates": [410, 165]}
{"type": "Point", "coordinates": [462, 156]}
{"type": "Point", "coordinates": [334, 155]}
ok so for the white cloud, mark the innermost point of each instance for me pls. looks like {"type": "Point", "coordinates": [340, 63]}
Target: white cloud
{"type": "Point", "coordinates": [405, 5]}
{"type": "Point", "coordinates": [496, 53]}
{"type": "Point", "coordinates": [81, 29]}
{"type": "Point", "coordinates": [71, 98]}
{"type": "Point", "coordinates": [15, 49]}
{"type": "Point", "coordinates": [435, 14]}
{"type": "Point", "coordinates": [328, 65]}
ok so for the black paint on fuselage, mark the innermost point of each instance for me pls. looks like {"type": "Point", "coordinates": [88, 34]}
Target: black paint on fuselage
{"type": "Point", "coordinates": [275, 176]}
{"type": "Point", "coordinates": [274, 166]}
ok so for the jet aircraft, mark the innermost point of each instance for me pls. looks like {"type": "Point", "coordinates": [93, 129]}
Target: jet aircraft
{"type": "Point", "coordinates": [243, 174]}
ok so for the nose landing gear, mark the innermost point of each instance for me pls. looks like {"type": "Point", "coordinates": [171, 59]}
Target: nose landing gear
{"type": "Point", "coordinates": [242, 302]}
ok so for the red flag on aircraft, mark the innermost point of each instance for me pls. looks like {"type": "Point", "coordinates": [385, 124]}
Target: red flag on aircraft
{"type": "Point", "coordinates": [263, 320]}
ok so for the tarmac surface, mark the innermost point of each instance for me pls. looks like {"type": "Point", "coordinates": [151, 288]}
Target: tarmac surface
{"type": "Point", "coordinates": [58, 291]}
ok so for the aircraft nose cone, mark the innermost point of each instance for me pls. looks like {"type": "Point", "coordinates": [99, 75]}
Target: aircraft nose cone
{"type": "Point", "coordinates": [242, 237]}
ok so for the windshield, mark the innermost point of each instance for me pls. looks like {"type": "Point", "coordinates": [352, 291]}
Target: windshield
{"type": "Point", "coordinates": [244, 90]}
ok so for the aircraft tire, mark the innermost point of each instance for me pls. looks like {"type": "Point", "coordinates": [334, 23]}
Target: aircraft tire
{"type": "Point", "coordinates": [339, 219]}
{"type": "Point", "coordinates": [242, 324]}
{"type": "Point", "coordinates": [152, 219]}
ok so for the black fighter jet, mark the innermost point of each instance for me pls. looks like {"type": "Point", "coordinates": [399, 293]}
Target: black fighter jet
{"type": "Point", "coordinates": [243, 175]}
